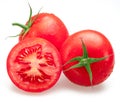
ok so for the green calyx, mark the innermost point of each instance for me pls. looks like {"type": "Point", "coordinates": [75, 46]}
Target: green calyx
{"type": "Point", "coordinates": [84, 61]}
{"type": "Point", "coordinates": [28, 25]}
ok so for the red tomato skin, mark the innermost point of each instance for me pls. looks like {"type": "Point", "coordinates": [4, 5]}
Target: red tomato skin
{"type": "Point", "coordinates": [49, 27]}
{"type": "Point", "coordinates": [12, 65]}
{"type": "Point", "coordinates": [97, 46]}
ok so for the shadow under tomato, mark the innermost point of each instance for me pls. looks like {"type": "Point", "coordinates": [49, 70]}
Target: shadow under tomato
{"type": "Point", "coordinates": [64, 84]}
{"type": "Point", "coordinates": [22, 92]}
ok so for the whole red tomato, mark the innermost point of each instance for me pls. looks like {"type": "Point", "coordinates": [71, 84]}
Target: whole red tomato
{"type": "Point", "coordinates": [44, 25]}
{"type": "Point", "coordinates": [88, 58]}
{"type": "Point", "coordinates": [34, 65]}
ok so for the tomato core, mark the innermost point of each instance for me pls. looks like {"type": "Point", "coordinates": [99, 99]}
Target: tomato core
{"type": "Point", "coordinates": [33, 59]}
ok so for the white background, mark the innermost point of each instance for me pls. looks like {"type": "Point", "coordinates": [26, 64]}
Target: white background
{"type": "Point", "coordinates": [100, 15]}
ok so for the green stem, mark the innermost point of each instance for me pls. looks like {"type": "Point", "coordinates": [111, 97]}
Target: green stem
{"type": "Point", "coordinates": [84, 61]}
{"type": "Point", "coordinates": [25, 27]}
{"type": "Point", "coordinates": [30, 13]}
{"type": "Point", "coordinates": [87, 66]}
{"type": "Point", "coordinates": [20, 25]}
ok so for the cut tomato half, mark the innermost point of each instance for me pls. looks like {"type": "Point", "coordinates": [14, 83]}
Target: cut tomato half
{"type": "Point", "coordinates": [34, 65]}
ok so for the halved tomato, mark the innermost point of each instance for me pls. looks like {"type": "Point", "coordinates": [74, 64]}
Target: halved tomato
{"type": "Point", "coordinates": [34, 65]}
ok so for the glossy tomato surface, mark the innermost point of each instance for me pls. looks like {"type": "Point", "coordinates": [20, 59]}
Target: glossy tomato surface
{"type": "Point", "coordinates": [47, 26]}
{"type": "Point", "coordinates": [97, 46]}
{"type": "Point", "coordinates": [34, 65]}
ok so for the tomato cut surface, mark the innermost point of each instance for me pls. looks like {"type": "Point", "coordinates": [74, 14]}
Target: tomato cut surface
{"type": "Point", "coordinates": [34, 65]}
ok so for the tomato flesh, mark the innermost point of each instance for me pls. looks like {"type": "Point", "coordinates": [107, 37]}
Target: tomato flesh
{"type": "Point", "coordinates": [34, 65]}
